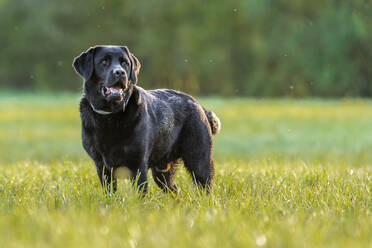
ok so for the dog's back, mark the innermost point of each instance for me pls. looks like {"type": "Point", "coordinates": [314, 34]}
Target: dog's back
{"type": "Point", "coordinates": [183, 106]}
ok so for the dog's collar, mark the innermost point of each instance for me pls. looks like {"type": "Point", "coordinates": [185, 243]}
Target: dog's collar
{"type": "Point", "coordinates": [101, 112]}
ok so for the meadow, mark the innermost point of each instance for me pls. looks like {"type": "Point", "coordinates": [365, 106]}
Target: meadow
{"type": "Point", "coordinates": [289, 173]}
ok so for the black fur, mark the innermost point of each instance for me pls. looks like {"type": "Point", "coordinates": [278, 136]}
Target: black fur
{"type": "Point", "coordinates": [141, 129]}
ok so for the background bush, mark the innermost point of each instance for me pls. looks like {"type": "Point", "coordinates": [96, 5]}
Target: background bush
{"type": "Point", "coordinates": [238, 47]}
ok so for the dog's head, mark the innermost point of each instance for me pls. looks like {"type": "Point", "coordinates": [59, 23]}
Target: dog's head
{"type": "Point", "coordinates": [110, 73]}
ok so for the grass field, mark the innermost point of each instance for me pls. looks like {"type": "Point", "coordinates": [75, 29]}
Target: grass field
{"type": "Point", "coordinates": [289, 173]}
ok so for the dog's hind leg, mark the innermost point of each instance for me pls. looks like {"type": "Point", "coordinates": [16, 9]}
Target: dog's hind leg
{"type": "Point", "coordinates": [197, 152]}
{"type": "Point", "coordinates": [165, 178]}
{"type": "Point", "coordinates": [201, 170]}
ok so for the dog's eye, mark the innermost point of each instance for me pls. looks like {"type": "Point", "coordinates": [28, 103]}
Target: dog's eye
{"type": "Point", "coordinates": [124, 63]}
{"type": "Point", "coordinates": [104, 62]}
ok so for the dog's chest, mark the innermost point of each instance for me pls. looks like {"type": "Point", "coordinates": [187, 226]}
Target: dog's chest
{"type": "Point", "coordinates": [117, 146]}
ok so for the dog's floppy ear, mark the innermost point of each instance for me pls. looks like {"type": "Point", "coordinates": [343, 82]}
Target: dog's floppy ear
{"type": "Point", "coordinates": [83, 64]}
{"type": "Point", "coordinates": [134, 67]}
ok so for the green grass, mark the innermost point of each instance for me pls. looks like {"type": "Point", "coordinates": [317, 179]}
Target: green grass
{"type": "Point", "coordinates": [289, 173]}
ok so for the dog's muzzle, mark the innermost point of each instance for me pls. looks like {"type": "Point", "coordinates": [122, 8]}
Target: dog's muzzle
{"type": "Point", "coordinates": [118, 94]}
{"type": "Point", "coordinates": [112, 93]}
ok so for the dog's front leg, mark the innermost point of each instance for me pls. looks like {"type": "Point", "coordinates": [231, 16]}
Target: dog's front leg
{"type": "Point", "coordinates": [106, 178]}
{"type": "Point", "coordinates": [139, 178]}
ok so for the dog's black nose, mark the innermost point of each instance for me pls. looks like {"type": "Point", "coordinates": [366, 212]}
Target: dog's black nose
{"type": "Point", "coordinates": [118, 72]}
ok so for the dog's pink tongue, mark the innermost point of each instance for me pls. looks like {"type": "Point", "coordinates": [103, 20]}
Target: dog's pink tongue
{"type": "Point", "coordinates": [113, 90]}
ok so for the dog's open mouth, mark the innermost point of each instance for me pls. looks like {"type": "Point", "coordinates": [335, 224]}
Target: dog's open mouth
{"type": "Point", "coordinates": [113, 93]}
{"type": "Point", "coordinates": [111, 90]}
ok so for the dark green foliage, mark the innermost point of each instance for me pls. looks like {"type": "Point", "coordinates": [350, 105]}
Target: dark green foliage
{"type": "Point", "coordinates": [238, 47]}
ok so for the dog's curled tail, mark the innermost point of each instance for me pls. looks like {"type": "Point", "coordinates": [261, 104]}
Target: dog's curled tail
{"type": "Point", "coordinates": [213, 120]}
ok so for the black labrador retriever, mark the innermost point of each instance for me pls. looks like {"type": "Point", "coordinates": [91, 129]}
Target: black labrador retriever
{"type": "Point", "coordinates": [125, 125]}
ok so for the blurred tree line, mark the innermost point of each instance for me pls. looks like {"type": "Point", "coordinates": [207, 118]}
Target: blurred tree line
{"type": "Point", "coordinates": [236, 47]}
